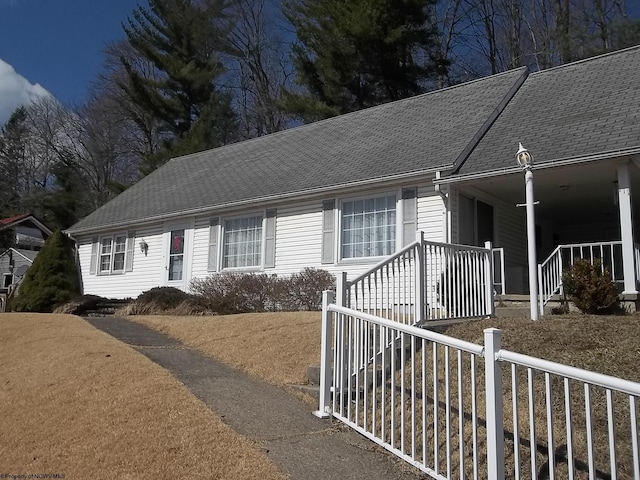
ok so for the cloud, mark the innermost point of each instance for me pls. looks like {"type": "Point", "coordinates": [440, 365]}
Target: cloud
{"type": "Point", "coordinates": [15, 90]}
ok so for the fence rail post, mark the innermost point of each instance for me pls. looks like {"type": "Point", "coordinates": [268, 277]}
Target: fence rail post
{"type": "Point", "coordinates": [421, 304]}
{"type": "Point", "coordinates": [324, 406]}
{"type": "Point", "coordinates": [489, 281]}
{"type": "Point", "coordinates": [495, 413]}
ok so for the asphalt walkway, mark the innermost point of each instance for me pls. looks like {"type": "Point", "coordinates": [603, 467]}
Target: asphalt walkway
{"type": "Point", "coordinates": [303, 446]}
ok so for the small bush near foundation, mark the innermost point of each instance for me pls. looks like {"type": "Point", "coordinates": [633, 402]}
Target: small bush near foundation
{"type": "Point", "coordinates": [80, 305]}
{"type": "Point", "coordinates": [163, 297]}
{"type": "Point", "coordinates": [307, 286]}
{"type": "Point", "coordinates": [228, 293]}
{"type": "Point", "coordinates": [164, 300]}
{"type": "Point", "coordinates": [590, 288]}
{"type": "Point", "coordinates": [235, 292]}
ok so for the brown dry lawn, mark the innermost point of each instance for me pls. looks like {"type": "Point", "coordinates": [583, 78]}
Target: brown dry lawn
{"type": "Point", "coordinates": [77, 402]}
{"type": "Point", "coordinates": [275, 347]}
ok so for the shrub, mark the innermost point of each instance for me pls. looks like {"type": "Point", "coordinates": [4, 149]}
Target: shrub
{"type": "Point", "coordinates": [163, 297]}
{"type": "Point", "coordinates": [80, 305]}
{"type": "Point", "coordinates": [51, 280]}
{"type": "Point", "coordinates": [307, 286]}
{"type": "Point", "coordinates": [228, 293]}
{"type": "Point", "coordinates": [590, 287]}
{"type": "Point", "coordinates": [164, 300]}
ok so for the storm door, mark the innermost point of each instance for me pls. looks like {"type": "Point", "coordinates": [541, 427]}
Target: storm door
{"type": "Point", "coordinates": [176, 256]}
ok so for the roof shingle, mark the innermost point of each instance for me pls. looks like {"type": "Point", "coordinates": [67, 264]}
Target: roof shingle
{"type": "Point", "coordinates": [577, 110]}
{"type": "Point", "coordinates": [414, 135]}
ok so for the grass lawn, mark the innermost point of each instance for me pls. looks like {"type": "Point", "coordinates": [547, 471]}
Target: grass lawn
{"type": "Point", "coordinates": [277, 347]}
{"type": "Point", "coordinates": [274, 347]}
{"type": "Point", "coordinates": [77, 402]}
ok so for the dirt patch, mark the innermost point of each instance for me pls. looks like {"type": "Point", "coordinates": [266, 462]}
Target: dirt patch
{"type": "Point", "coordinates": [77, 402]}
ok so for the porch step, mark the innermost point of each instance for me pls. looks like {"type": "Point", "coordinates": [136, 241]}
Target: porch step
{"type": "Point", "coordinates": [513, 312]}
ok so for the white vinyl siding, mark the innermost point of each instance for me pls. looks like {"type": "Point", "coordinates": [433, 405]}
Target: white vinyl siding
{"type": "Point", "coordinates": [299, 237]}
{"type": "Point", "coordinates": [298, 243]}
{"type": "Point", "coordinates": [148, 271]}
{"type": "Point", "coordinates": [200, 250]}
{"type": "Point", "coordinates": [431, 214]}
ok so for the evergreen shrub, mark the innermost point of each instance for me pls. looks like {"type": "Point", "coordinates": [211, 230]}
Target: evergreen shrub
{"type": "Point", "coordinates": [590, 287]}
{"type": "Point", "coordinates": [51, 280]}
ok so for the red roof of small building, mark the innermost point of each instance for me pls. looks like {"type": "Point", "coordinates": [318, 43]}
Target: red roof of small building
{"type": "Point", "coordinates": [11, 220]}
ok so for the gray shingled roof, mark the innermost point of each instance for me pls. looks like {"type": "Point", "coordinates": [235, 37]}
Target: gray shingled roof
{"type": "Point", "coordinates": [415, 135]}
{"type": "Point", "coordinates": [570, 112]}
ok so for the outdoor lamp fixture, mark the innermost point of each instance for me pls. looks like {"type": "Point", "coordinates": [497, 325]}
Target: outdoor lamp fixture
{"type": "Point", "coordinates": [144, 247]}
{"type": "Point", "coordinates": [525, 161]}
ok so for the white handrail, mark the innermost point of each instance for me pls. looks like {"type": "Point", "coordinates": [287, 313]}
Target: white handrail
{"type": "Point", "coordinates": [551, 270]}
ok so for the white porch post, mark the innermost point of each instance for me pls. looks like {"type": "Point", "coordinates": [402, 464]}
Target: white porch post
{"type": "Point", "coordinates": [626, 229]}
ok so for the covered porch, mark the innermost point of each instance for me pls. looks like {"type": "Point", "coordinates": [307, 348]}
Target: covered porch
{"type": "Point", "coordinates": [585, 210]}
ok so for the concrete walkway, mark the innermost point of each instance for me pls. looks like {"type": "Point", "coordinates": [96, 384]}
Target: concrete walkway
{"type": "Point", "coordinates": [303, 446]}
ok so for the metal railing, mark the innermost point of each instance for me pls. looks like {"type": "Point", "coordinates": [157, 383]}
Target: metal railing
{"type": "Point", "coordinates": [441, 404]}
{"type": "Point", "coordinates": [567, 413]}
{"type": "Point", "coordinates": [427, 281]}
{"type": "Point", "coordinates": [550, 271]}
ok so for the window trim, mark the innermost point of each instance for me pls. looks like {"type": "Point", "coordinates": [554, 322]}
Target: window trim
{"type": "Point", "coordinates": [222, 239]}
{"type": "Point", "coordinates": [339, 238]}
{"type": "Point", "coordinates": [112, 254]}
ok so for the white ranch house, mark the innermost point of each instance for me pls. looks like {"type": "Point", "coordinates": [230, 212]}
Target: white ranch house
{"type": "Point", "coordinates": [344, 193]}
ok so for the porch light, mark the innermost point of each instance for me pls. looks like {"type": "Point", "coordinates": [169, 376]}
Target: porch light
{"type": "Point", "coordinates": [144, 247]}
{"type": "Point", "coordinates": [524, 157]}
{"type": "Point", "coordinates": [525, 161]}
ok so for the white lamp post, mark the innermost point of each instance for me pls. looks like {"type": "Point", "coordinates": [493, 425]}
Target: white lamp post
{"type": "Point", "coordinates": [525, 160]}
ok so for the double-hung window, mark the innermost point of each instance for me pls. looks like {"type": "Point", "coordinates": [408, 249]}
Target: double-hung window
{"type": "Point", "coordinates": [242, 242]}
{"type": "Point", "coordinates": [112, 254]}
{"type": "Point", "coordinates": [369, 227]}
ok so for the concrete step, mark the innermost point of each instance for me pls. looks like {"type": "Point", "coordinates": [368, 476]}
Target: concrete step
{"type": "Point", "coordinates": [513, 311]}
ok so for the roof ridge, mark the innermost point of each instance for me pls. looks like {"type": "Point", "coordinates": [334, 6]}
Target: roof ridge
{"type": "Point", "coordinates": [588, 59]}
{"type": "Point", "coordinates": [350, 114]}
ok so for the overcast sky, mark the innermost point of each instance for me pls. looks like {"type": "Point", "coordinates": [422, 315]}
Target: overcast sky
{"type": "Point", "coordinates": [55, 46]}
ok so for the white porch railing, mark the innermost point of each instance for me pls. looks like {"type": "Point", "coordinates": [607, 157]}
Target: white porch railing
{"type": "Point", "coordinates": [427, 281]}
{"type": "Point", "coordinates": [550, 271]}
{"type": "Point", "coordinates": [440, 404]}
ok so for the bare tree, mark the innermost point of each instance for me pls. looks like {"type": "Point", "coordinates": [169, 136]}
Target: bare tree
{"type": "Point", "coordinates": [260, 68]}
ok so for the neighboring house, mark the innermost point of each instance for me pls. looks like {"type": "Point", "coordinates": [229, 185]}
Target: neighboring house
{"type": "Point", "coordinates": [27, 236]}
{"type": "Point", "coordinates": [343, 193]}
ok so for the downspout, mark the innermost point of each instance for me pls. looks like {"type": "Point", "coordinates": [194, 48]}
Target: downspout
{"type": "Point", "coordinates": [447, 211]}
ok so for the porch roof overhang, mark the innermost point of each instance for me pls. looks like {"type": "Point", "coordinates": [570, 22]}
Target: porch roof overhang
{"type": "Point", "coordinates": [629, 154]}
{"type": "Point", "coordinates": [576, 191]}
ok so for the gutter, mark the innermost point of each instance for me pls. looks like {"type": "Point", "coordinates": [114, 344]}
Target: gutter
{"type": "Point", "coordinates": [261, 200]}
{"type": "Point", "coordinates": [568, 161]}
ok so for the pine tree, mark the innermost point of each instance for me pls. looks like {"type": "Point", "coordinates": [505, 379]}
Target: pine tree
{"type": "Point", "coordinates": [51, 280]}
{"type": "Point", "coordinates": [359, 53]}
{"type": "Point", "coordinates": [184, 40]}
{"type": "Point", "coordinates": [13, 141]}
